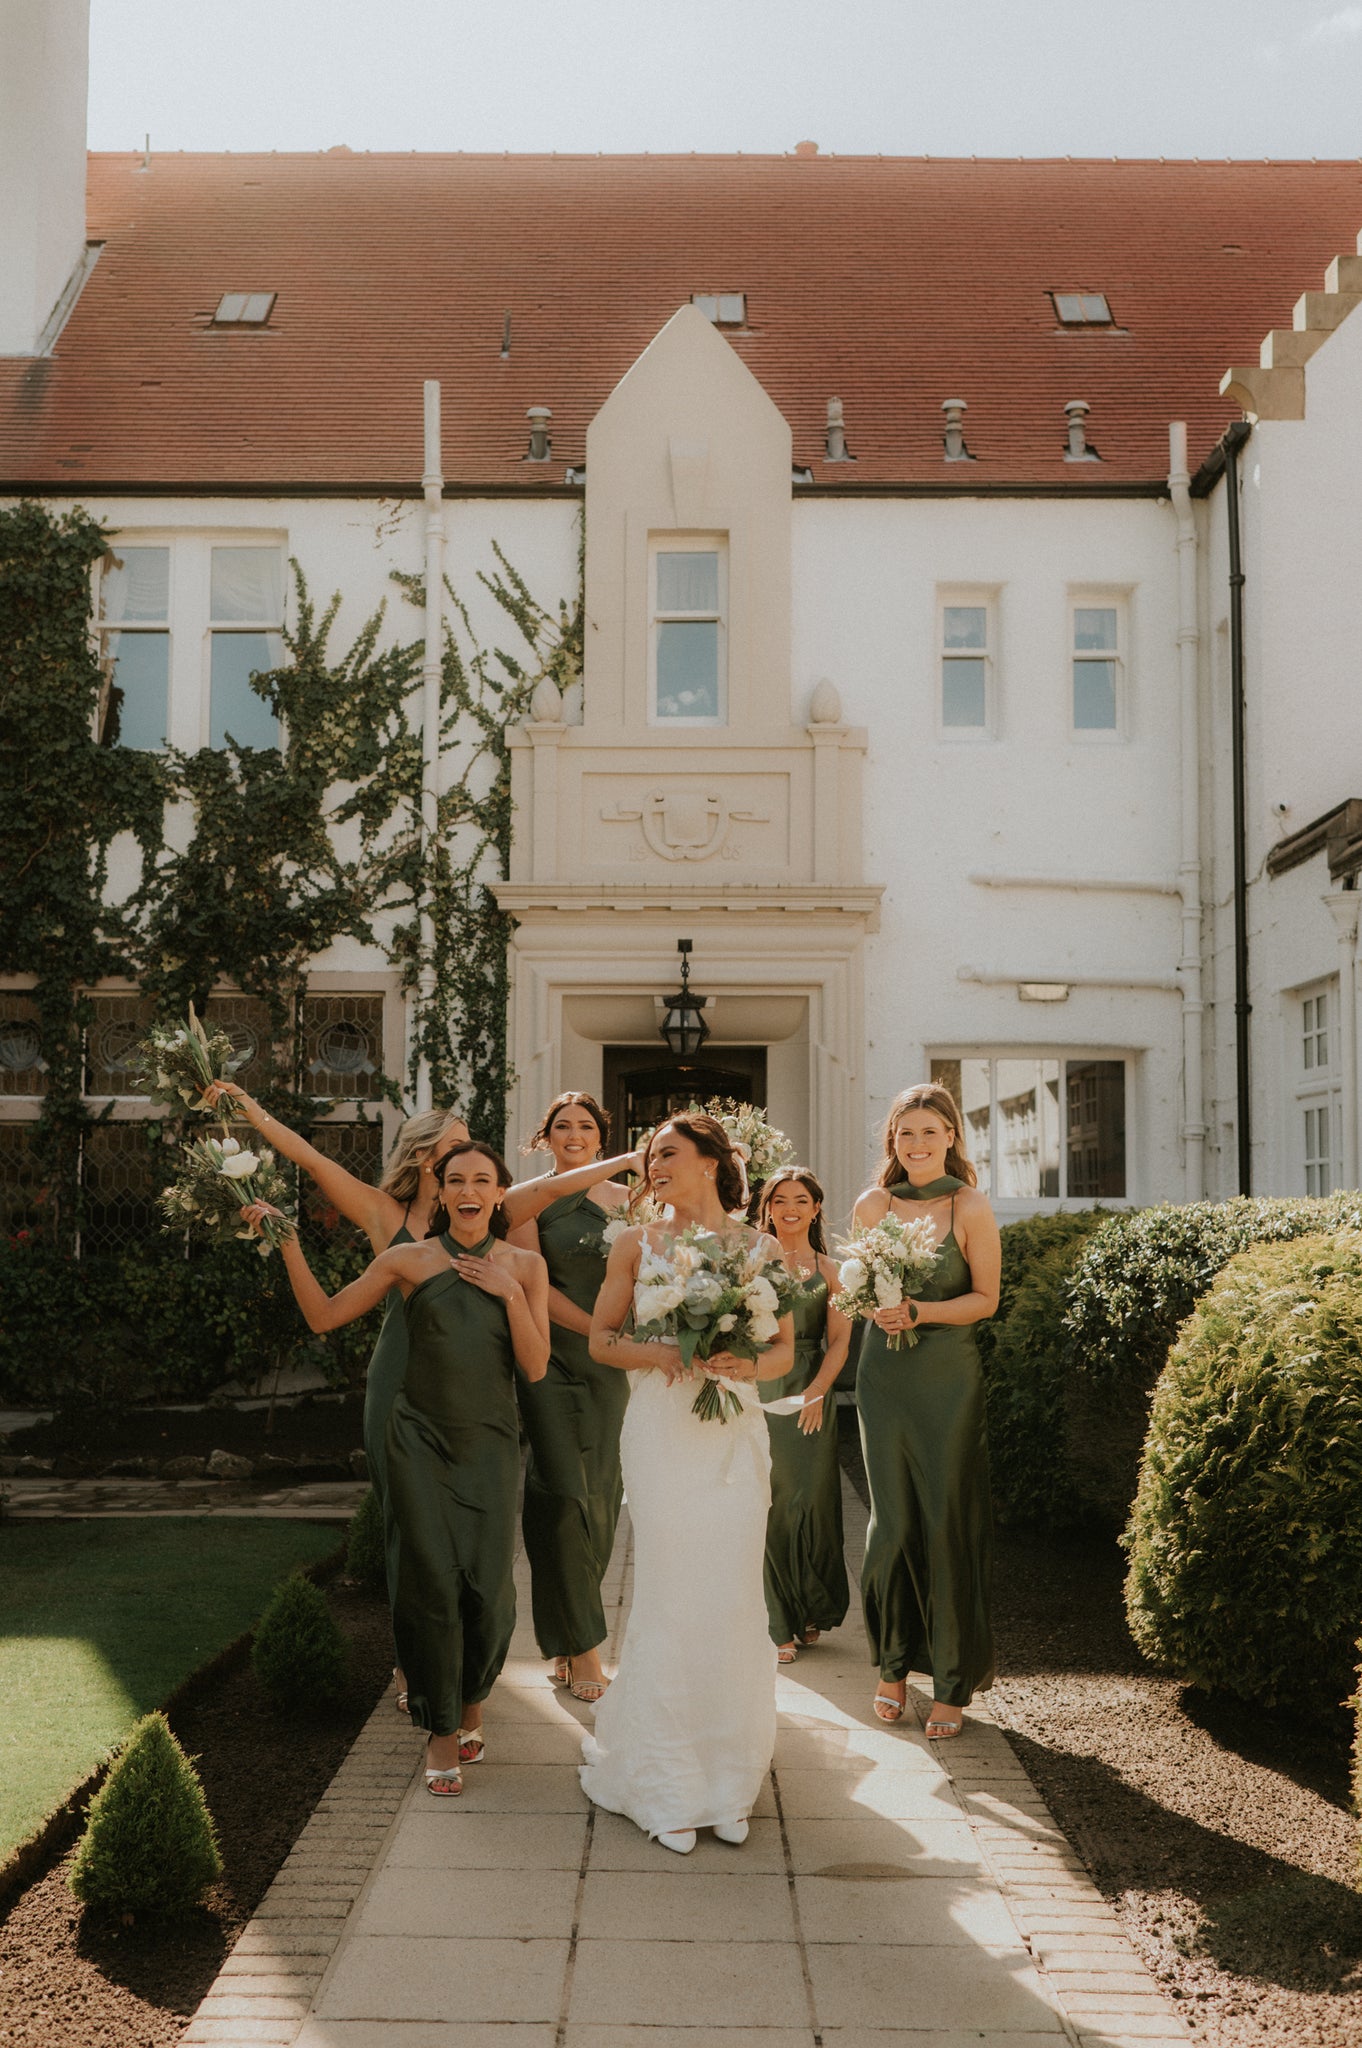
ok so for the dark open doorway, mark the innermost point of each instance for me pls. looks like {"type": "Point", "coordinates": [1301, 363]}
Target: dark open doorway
{"type": "Point", "coordinates": [642, 1086]}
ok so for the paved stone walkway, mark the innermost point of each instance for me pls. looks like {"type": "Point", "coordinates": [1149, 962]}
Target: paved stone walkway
{"type": "Point", "coordinates": [891, 1895]}
{"type": "Point", "coordinates": [31, 1500]}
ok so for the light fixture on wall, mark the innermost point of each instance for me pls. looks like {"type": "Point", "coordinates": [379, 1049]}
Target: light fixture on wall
{"type": "Point", "coordinates": [683, 1015]}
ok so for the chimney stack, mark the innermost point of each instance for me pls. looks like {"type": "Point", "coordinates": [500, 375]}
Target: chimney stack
{"type": "Point", "coordinates": [44, 78]}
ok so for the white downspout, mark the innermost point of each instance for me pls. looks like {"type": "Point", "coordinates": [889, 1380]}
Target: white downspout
{"type": "Point", "coordinates": [1189, 853]}
{"type": "Point", "coordinates": [433, 484]}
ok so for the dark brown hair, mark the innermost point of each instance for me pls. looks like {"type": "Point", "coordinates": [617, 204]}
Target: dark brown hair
{"type": "Point", "coordinates": [808, 1180]}
{"type": "Point", "coordinates": [708, 1136]}
{"type": "Point", "coordinates": [538, 1140]}
{"type": "Point", "coordinates": [439, 1215]}
{"type": "Point", "coordinates": [926, 1095]}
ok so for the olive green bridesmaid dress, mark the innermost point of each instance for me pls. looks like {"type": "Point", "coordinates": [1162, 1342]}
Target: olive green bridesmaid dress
{"type": "Point", "coordinates": [806, 1573]}
{"type": "Point", "coordinates": [387, 1369]}
{"type": "Point", "coordinates": [573, 1418]}
{"type": "Point", "coordinates": [453, 1461]}
{"type": "Point", "coordinates": [926, 1582]}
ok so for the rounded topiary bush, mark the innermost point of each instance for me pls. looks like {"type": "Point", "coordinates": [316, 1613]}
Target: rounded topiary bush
{"type": "Point", "coordinates": [299, 1653]}
{"type": "Point", "coordinates": [1246, 1540]}
{"type": "Point", "coordinates": [1025, 1357]}
{"type": "Point", "coordinates": [364, 1552]}
{"type": "Point", "coordinates": [1137, 1280]}
{"type": "Point", "coordinates": [149, 1844]}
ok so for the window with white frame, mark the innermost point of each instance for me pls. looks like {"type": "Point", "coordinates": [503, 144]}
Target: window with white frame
{"type": "Point", "coordinates": [688, 658]}
{"type": "Point", "coordinates": [246, 615]}
{"type": "Point", "coordinates": [134, 633]}
{"type": "Point", "coordinates": [966, 632]}
{"type": "Point", "coordinates": [1318, 1094]}
{"type": "Point", "coordinates": [1041, 1126]}
{"type": "Point", "coordinates": [1097, 664]}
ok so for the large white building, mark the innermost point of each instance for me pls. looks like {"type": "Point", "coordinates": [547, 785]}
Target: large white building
{"type": "Point", "coordinates": [907, 659]}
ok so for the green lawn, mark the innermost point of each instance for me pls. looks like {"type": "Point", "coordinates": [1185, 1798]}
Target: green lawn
{"type": "Point", "coordinates": [100, 1620]}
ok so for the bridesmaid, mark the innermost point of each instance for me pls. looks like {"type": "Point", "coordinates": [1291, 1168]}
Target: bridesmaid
{"type": "Point", "coordinates": [926, 1582]}
{"type": "Point", "coordinates": [398, 1211]}
{"type": "Point", "coordinates": [806, 1573]}
{"type": "Point", "coordinates": [475, 1309]}
{"type": "Point", "coordinates": [573, 1416]}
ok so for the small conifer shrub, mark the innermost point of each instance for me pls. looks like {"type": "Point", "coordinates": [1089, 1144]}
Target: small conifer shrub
{"type": "Point", "coordinates": [149, 1844]}
{"type": "Point", "coordinates": [298, 1652]}
{"type": "Point", "coordinates": [364, 1556]}
{"type": "Point", "coordinates": [1246, 1540]}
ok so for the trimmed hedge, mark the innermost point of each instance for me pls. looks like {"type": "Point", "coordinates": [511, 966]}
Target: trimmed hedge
{"type": "Point", "coordinates": [365, 1558]}
{"type": "Point", "coordinates": [1137, 1280]}
{"type": "Point", "coordinates": [149, 1844]}
{"type": "Point", "coordinates": [104, 1331]}
{"type": "Point", "coordinates": [298, 1652]}
{"type": "Point", "coordinates": [1246, 1539]}
{"type": "Point", "coordinates": [1027, 1369]}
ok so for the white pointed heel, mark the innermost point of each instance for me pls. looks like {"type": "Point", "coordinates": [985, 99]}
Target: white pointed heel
{"type": "Point", "coordinates": [682, 1840]}
{"type": "Point", "coordinates": [734, 1831]}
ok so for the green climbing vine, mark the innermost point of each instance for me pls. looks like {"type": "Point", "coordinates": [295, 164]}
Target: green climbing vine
{"type": "Point", "coordinates": [288, 849]}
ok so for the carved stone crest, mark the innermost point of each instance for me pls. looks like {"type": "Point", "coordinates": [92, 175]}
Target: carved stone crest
{"type": "Point", "coordinates": [682, 824]}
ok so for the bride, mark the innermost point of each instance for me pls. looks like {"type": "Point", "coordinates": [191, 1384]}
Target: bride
{"type": "Point", "coordinates": [684, 1736]}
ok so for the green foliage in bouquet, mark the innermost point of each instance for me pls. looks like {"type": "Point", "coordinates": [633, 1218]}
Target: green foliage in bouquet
{"type": "Point", "coordinates": [881, 1263]}
{"type": "Point", "coordinates": [149, 1844]}
{"type": "Point", "coordinates": [1246, 1541]}
{"type": "Point", "coordinates": [298, 1653]}
{"type": "Point", "coordinates": [707, 1294]}
{"type": "Point", "coordinates": [364, 1544]}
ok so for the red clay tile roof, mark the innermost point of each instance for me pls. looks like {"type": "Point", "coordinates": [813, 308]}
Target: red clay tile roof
{"type": "Point", "coordinates": [890, 283]}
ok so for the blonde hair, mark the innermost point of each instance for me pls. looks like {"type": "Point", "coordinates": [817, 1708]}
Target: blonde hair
{"type": "Point", "coordinates": [926, 1095]}
{"type": "Point", "coordinates": [402, 1174]}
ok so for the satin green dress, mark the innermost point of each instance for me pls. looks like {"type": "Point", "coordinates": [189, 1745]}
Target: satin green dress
{"type": "Point", "coordinates": [453, 1464]}
{"type": "Point", "coordinates": [387, 1370]}
{"type": "Point", "coordinates": [927, 1580]}
{"type": "Point", "coordinates": [573, 1418]}
{"type": "Point", "coordinates": [806, 1573]}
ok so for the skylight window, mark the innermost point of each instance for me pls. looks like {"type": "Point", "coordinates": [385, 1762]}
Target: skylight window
{"type": "Point", "coordinates": [725, 309]}
{"type": "Point", "coordinates": [1082, 309]}
{"type": "Point", "coordinates": [244, 309]}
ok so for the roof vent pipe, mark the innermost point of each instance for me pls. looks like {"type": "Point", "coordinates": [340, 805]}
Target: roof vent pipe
{"type": "Point", "coordinates": [541, 446]}
{"type": "Point", "coordinates": [835, 440]}
{"type": "Point", "coordinates": [955, 410]}
{"type": "Point", "coordinates": [1077, 411]}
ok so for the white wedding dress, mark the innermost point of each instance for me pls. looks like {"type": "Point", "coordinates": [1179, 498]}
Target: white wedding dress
{"type": "Point", "coordinates": [685, 1733]}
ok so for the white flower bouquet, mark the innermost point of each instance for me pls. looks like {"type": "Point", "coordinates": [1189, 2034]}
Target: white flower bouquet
{"type": "Point", "coordinates": [175, 1063]}
{"type": "Point", "coordinates": [627, 1215]}
{"type": "Point", "coordinates": [218, 1179]}
{"type": "Point", "coordinates": [705, 1294]}
{"type": "Point", "coordinates": [757, 1142]}
{"type": "Point", "coordinates": [883, 1264]}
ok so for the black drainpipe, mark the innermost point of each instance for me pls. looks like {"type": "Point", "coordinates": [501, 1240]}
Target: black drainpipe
{"type": "Point", "coordinates": [1233, 441]}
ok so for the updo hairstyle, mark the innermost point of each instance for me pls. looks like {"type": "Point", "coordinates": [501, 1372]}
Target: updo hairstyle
{"type": "Point", "coordinates": [709, 1137]}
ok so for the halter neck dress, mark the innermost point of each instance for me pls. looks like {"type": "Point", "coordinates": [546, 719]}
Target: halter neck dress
{"type": "Point", "coordinates": [573, 1417]}
{"type": "Point", "coordinates": [453, 1458]}
{"type": "Point", "coordinates": [806, 1573]}
{"type": "Point", "coordinates": [387, 1369]}
{"type": "Point", "coordinates": [927, 1579]}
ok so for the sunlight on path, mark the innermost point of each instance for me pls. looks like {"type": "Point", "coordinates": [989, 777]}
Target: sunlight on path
{"type": "Point", "coordinates": [882, 1898]}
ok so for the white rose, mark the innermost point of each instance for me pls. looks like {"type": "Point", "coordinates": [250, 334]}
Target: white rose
{"type": "Point", "coordinates": [888, 1290]}
{"type": "Point", "coordinates": [725, 1324]}
{"type": "Point", "coordinates": [852, 1275]}
{"type": "Point", "coordinates": [763, 1329]}
{"type": "Point", "coordinates": [761, 1296]}
{"type": "Point", "coordinates": [614, 1230]}
{"type": "Point", "coordinates": [652, 1303]}
{"type": "Point", "coordinates": [241, 1167]}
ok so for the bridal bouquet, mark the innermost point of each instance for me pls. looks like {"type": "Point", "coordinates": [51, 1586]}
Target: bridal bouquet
{"type": "Point", "coordinates": [760, 1146]}
{"type": "Point", "coordinates": [883, 1264]}
{"type": "Point", "coordinates": [216, 1181]}
{"type": "Point", "coordinates": [705, 1294]}
{"type": "Point", "coordinates": [627, 1215]}
{"type": "Point", "coordinates": [176, 1063]}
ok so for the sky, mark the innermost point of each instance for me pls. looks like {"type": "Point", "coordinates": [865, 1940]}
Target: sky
{"type": "Point", "coordinates": [1185, 78]}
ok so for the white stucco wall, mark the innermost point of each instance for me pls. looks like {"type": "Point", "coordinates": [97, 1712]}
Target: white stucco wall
{"type": "Point", "coordinates": [1301, 511]}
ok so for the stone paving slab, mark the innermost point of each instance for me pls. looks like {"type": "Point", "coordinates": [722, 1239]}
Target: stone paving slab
{"type": "Point", "coordinates": [892, 1894]}
{"type": "Point", "coordinates": [93, 1500]}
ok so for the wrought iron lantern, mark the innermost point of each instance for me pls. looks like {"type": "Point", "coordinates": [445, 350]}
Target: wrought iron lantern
{"type": "Point", "coordinates": [683, 1017]}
